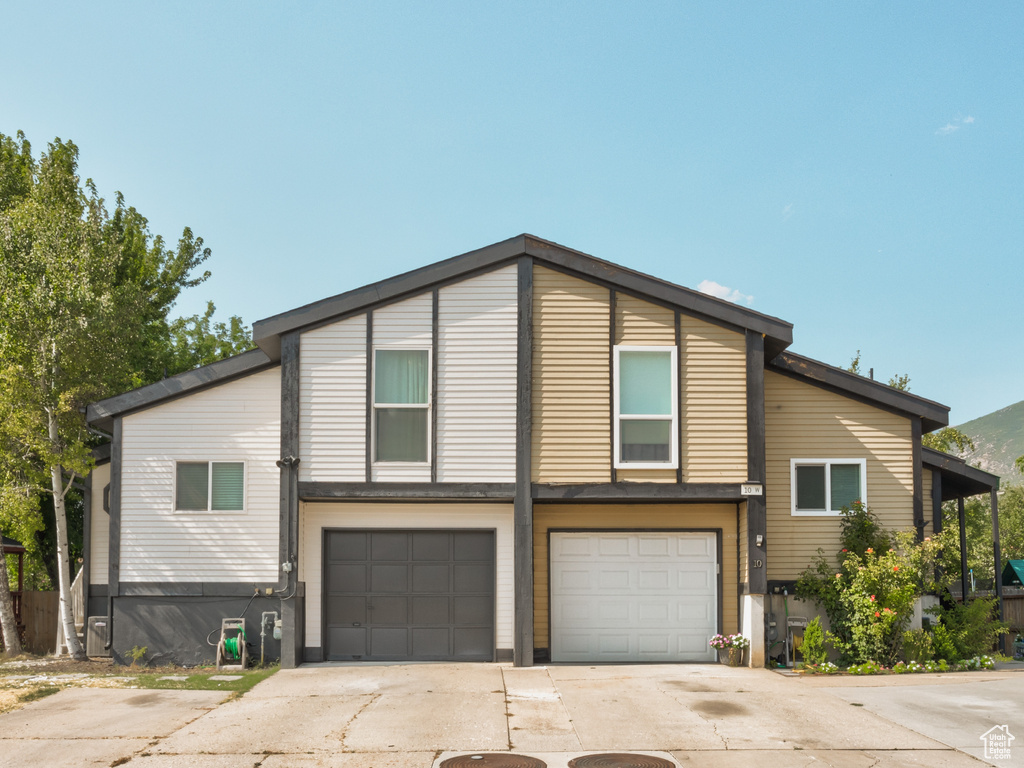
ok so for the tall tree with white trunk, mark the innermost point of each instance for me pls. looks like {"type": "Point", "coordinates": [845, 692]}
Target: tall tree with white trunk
{"type": "Point", "coordinates": [84, 296]}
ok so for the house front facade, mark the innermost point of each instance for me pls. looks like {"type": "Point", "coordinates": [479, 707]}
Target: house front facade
{"type": "Point", "coordinates": [522, 453]}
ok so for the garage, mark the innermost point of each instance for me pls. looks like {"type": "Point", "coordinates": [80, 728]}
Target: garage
{"type": "Point", "coordinates": [417, 595]}
{"type": "Point", "coordinates": [626, 596]}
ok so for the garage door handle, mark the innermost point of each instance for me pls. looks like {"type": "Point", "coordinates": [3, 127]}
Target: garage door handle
{"type": "Point", "coordinates": [356, 624]}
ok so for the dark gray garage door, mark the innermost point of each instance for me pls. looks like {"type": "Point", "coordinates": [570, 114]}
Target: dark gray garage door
{"type": "Point", "coordinates": [409, 595]}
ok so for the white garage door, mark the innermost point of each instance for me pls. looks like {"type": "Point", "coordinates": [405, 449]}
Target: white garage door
{"type": "Point", "coordinates": [633, 596]}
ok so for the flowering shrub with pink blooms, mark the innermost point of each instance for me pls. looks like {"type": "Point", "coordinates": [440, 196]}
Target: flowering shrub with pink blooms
{"type": "Point", "coordinates": [721, 642]}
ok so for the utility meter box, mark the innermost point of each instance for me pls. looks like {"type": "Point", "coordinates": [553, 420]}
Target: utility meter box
{"type": "Point", "coordinates": [96, 636]}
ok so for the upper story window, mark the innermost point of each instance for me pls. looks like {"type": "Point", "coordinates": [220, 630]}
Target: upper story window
{"type": "Point", "coordinates": [401, 404]}
{"type": "Point", "coordinates": [646, 407]}
{"type": "Point", "coordinates": [825, 486]}
{"type": "Point", "coordinates": [209, 486]}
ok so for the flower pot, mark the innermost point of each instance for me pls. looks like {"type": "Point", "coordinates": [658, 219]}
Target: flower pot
{"type": "Point", "coordinates": [731, 656]}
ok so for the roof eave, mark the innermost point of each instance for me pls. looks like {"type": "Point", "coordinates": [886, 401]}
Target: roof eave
{"type": "Point", "coordinates": [267, 333]}
{"type": "Point", "coordinates": [959, 477]}
{"type": "Point", "coordinates": [933, 415]}
{"type": "Point", "coordinates": [101, 414]}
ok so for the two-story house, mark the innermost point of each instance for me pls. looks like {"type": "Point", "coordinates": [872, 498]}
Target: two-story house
{"type": "Point", "coordinates": [519, 453]}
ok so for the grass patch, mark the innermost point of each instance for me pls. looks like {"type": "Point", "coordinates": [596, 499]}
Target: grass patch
{"type": "Point", "coordinates": [38, 693]}
{"type": "Point", "coordinates": [193, 680]}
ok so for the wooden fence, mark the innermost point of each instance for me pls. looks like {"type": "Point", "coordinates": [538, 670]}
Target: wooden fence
{"type": "Point", "coordinates": [39, 615]}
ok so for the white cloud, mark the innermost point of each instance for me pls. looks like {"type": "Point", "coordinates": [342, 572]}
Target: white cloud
{"type": "Point", "coordinates": [787, 211]}
{"type": "Point", "coordinates": [711, 288]}
{"type": "Point", "coordinates": [954, 125]}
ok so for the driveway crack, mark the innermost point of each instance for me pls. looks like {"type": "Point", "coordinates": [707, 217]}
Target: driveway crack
{"type": "Point", "coordinates": [561, 701]}
{"type": "Point", "coordinates": [344, 729]}
{"type": "Point", "coordinates": [508, 715]}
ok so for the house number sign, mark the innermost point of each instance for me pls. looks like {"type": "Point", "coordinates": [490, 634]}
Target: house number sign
{"type": "Point", "coordinates": [751, 489]}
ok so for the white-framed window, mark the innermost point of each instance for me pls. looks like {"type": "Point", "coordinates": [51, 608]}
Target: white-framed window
{"type": "Point", "coordinates": [825, 486]}
{"type": "Point", "coordinates": [646, 407]}
{"type": "Point", "coordinates": [209, 486]}
{"type": "Point", "coordinates": [401, 406]}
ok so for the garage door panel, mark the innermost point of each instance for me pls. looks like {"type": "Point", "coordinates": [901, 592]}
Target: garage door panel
{"type": "Point", "coordinates": [389, 578]}
{"type": "Point", "coordinates": [347, 610]}
{"type": "Point", "coordinates": [472, 578]}
{"type": "Point", "coordinates": [474, 546]}
{"type": "Point", "coordinates": [431, 546]}
{"type": "Point", "coordinates": [348, 641]}
{"type": "Point", "coordinates": [472, 609]}
{"type": "Point", "coordinates": [387, 545]}
{"type": "Point", "coordinates": [389, 610]}
{"type": "Point", "coordinates": [633, 596]}
{"type": "Point", "coordinates": [425, 595]}
{"type": "Point", "coordinates": [430, 578]}
{"type": "Point", "coordinates": [472, 641]}
{"type": "Point", "coordinates": [389, 642]}
{"type": "Point", "coordinates": [429, 611]}
{"type": "Point", "coordinates": [430, 642]}
{"type": "Point", "coordinates": [353, 576]}
{"type": "Point", "coordinates": [347, 548]}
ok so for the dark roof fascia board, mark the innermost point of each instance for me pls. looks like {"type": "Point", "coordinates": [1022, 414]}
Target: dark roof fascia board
{"type": "Point", "coordinates": [778, 333]}
{"type": "Point", "coordinates": [101, 414]}
{"type": "Point", "coordinates": [959, 474]}
{"type": "Point", "coordinates": [933, 415]}
{"type": "Point", "coordinates": [101, 454]}
{"type": "Point", "coordinates": [267, 332]}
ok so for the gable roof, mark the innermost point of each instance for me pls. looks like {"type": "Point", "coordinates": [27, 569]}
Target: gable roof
{"type": "Point", "coordinates": [101, 414]}
{"type": "Point", "coordinates": [267, 333]}
{"type": "Point", "coordinates": [933, 415]}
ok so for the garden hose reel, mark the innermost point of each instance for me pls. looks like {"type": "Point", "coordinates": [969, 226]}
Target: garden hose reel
{"type": "Point", "coordinates": [232, 652]}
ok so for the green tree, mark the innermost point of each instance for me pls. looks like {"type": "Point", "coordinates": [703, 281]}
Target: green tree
{"type": "Point", "coordinates": [84, 297]}
{"type": "Point", "coordinates": [197, 341]}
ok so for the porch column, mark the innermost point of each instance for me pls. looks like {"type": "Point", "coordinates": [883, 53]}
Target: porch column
{"type": "Point", "coordinates": [994, 502]}
{"type": "Point", "coordinates": [963, 547]}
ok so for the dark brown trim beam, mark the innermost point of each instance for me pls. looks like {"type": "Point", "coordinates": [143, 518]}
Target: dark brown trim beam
{"type": "Point", "coordinates": [389, 491]}
{"type": "Point", "coordinates": [114, 544]}
{"type": "Point", "coordinates": [757, 516]}
{"type": "Point", "coordinates": [434, 337]}
{"type": "Point", "coordinates": [665, 492]}
{"type": "Point", "coordinates": [293, 631]}
{"type": "Point", "coordinates": [611, 386]}
{"type": "Point", "coordinates": [936, 500]}
{"type": "Point", "coordinates": [522, 655]}
{"type": "Point", "coordinates": [918, 476]}
{"type": "Point", "coordinates": [368, 447]}
{"type": "Point", "coordinates": [996, 551]}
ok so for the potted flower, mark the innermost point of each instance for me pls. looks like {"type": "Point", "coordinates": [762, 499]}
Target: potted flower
{"type": "Point", "coordinates": [730, 648]}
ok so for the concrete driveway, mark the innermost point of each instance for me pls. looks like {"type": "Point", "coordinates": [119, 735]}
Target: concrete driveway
{"type": "Point", "coordinates": [417, 715]}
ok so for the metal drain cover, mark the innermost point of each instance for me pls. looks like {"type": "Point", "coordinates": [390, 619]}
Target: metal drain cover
{"type": "Point", "coordinates": [620, 760]}
{"type": "Point", "coordinates": [493, 760]}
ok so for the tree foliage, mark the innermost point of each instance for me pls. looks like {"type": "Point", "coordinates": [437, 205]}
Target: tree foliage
{"type": "Point", "coordinates": [85, 294]}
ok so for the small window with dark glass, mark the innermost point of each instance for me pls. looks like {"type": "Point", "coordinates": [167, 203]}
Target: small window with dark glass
{"type": "Point", "coordinates": [401, 403]}
{"type": "Point", "coordinates": [645, 407]}
{"type": "Point", "coordinates": [209, 486]}
{"type": "Point", "coordinates": [826, 486]}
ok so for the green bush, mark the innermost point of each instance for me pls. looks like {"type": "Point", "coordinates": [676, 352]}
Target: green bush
{"type": "Point", "coordinates": [813, 648]}
{"type": "Point", "coordinates": [917, 646]}
{"type": "Point", "coordinates": [869, 594]}
{"type": "Point", "coordinates": [968, 629]}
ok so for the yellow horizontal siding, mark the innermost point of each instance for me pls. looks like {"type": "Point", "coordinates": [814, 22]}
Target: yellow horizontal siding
{"type": "Point", "coordinates": [926, 498]}
{"type": "Point", "coordinates": [610, 516]}
{"type": "Point", "coordinates": [641, 323]}
{"type": "Point", "coordinates": [571, 380]}
{"type": "Point", "coordinates": [713, 407]}
{"type": "Point", "coordinates": [805, 421]}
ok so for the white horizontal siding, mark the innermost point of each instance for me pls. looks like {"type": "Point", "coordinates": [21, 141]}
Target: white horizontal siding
{"type": "Point", "coordinates": [236, 421]}
{"type": "Point", "coordinates": [407, 323]}
{"type": "Point", "coordinates": [332, 402]}
{"type": "Point", "coordinates": [313, 518]}
{"type": "Point", "coordinates": [99, 534]}
{"type": "Point", "coordinates": [476, 374]}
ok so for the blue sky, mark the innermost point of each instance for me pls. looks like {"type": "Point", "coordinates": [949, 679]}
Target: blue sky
{"type": "Point", "coordinates": [854, 168]}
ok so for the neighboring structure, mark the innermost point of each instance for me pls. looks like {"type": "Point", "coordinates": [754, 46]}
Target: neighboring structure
{"type": "Point", "coordinates": [519, 453]}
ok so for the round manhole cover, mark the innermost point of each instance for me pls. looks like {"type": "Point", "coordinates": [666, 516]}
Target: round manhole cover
{"type": "Point", "coordinates": [493, 760]}
{"type": "Point", "coordinates": [620, 760]}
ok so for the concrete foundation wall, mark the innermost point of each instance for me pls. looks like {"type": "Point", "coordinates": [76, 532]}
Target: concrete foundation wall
{"type": "Point", "coordinates": [174, 629]}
